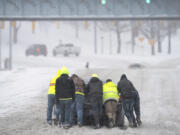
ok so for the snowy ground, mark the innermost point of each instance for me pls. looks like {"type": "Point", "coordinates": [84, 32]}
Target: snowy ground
{"type": "Point", "coordinates": [23, 98]}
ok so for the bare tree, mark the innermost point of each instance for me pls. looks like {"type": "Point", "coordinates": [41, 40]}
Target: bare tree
{"type": "Point", "coordinates": [117, 27]}
{"type": "Point", "coordinates": [135, 26]}
{"type": "Point", "coordinates": [166, 29]}
{"type": "Point", "coordinates": [172, 27]}
{"type": "Point", "coordinates": [15, 32]}
{"type": "Point", "coordinates": [148, 29]}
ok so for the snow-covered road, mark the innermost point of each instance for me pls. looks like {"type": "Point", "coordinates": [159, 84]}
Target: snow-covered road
{"type": "Point", "coordinates": [23, 98]}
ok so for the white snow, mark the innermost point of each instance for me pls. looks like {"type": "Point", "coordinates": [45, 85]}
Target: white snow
{"type": "Point", "coordinates": [23, 98]}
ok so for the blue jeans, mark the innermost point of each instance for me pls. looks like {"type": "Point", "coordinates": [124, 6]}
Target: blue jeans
{"type": "Point", "coordinates": [58, 111]}
{"type": "Point", "coordinates": [96, 103]}
{"type": "Point", "coordinates": [51, 103]}
{"type": "Point", "coordinates": [65, 106]}
{"type": "Point", "coordinates": [137, 105]}
{"type": "Point", "coordinates": [79, 101]}
{"type": "Point", "coordinates": [128, 105]}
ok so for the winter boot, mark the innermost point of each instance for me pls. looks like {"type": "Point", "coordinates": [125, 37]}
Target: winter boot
{"type": "Point", "coordinates": [138, 121]}
{"type": "Point", "coordinates": [55, 122]}
{"type": "Point", "coordinates": [97, 126]}
{"type": "Point", "coordinates": [111, 125]}
{"type": "Point", "coordinates": [67, 126]}
{"type": "Point", "coordinates": [134, 124]}
{"type": "Point", "coordinates": [131, 124]}
{"type": "Point", "coordinates": [49, 122]}
{"type": "Point", "coordinates": [80, 125]}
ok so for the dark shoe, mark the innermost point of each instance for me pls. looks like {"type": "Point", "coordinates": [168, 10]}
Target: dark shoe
{"type": "Point", "coordinates": [131, 124]}
{"type": "Point", "coordinates": [138, 122]}
{"type": "Point", "coordinates": [55, 122]}
{"type": "Point", "coordinates": [97, 126]}
{"type": "Point", "coordinates": [111, 124]}
{"type": "Point", "coordinates": [49, 122]}
{"type": "Point", "coordinates": [67, 126]}
{"type": "Point", "coordinates": [123, 127]}
{"type": "Point", "coordinates": [134, 124]}
{"type": "Point", "coordinates": [80, 125]}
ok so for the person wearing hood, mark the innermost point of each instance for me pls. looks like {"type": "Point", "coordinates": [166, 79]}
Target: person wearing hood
{"type": "Point", "coordinates": [64, 95]}
{"type": "Point", "coordinates": [94, 95]}
{"type": "Point", "coordinates": [79, 100]}
{"type": "Point", "coordinates": [51, 99]}
{"type": "Point", "coordinates": [130, 100]}
{"type": "Point", "coordinates": [110, 100]}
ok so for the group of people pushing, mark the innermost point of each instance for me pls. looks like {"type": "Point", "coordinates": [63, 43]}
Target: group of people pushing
{"type": "Point", "coordinates": [69, 93]}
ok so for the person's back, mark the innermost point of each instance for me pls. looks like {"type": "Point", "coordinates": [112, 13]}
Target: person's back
{"type": "Point", "coordinates": [94, 87]}
{"type": "Point", "coordinates": [110, 91]}
{"type": "Point", "coordinates": [79, 84]}
{"type": "Point", "coordinates": [125, 88]}
{"type": "Point", "coordinates": [64, 87]}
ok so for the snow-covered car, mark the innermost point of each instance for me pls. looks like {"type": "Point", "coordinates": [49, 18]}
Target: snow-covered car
{"type": "Point", "coordinates": [135, 66]}
{"type": "Point", "coordinates": [66, 50]}
{"type": "Point", "coordinates": [36, 49]}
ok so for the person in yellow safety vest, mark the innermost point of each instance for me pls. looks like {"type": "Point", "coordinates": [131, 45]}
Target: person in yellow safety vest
{"type": "Point", "coordinates": [110, 100]}
{"type": "Point", "coordinates": [52, 99]}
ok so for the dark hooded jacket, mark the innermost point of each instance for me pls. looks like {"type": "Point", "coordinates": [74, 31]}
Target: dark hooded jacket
{"type": "Point", "coordinates": [64, 87]}
{"type": "Point", "coordinates": [94, 88]}
{"type": "Point", "coordinates": [126, 88]}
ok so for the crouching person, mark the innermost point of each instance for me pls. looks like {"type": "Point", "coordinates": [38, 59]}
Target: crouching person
{"type": "Point", "coordinates": [110, 99]}
{"type": "Point", "coordinates": [130, 99]}
{"type": "Point", "coordinates": [94, 94]}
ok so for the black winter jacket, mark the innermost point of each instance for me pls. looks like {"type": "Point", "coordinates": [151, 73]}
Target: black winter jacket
{"type": "Point", "coordinates": [94, 88]}
{"type": "Point", "coordinates": [126, 88]}
{"type": "Point", "coordinates": [64, 87]}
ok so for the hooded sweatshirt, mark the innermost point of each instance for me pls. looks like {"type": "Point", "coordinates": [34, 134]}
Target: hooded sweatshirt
{"type": "Point", "coordinates": [64, 86]}
{"type": "Point", "coordinates": [94, 87]}
{"type": "Point", "coordinates": [126, 88]}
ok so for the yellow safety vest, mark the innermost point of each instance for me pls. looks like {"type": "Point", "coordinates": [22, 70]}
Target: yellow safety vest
{"type": "Point", "coordinates": [110, 92]}
{"type": "Point", "coordinates": [80, 93]}
{"type": "Point", "coordinates": [53, 83]}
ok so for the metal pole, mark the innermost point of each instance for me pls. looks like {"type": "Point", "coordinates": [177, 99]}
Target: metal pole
{"type": "Point", "coordinates": [10, 46]}
{"type": "Point", "coordinates": [110, 43]}
{"type": "Point", "coordinates": [0, 47]}
{"type": "Point", "coordinates": [95, 38]}
{"type": "Point", "coordinates": [77, 29]}
{"type": "Point", "coordinates": [102, 47]}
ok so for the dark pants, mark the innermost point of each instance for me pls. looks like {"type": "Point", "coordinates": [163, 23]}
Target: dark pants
{"type": "Point", "coordinates": [96, 103]}
{"type": "Point", "coordinates": [51, 103]}
{"type": "Point", "coordinates": [65, 106]}
{"type": "Point", "coordinates": [137, 105]}
{"type": "Point", "coordinates": [78, 106]}
{"type": "Point", "coordinates": [128, 105]}
{"type": "Point", "coordinates": [58, 112]}
{"type": "Point", "coordinates": [110, 109]}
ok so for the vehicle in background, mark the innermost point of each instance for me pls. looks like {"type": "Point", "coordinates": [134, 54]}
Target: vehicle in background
{"type": "Point", "coordinates": [36, 50]}
{"type": "Point", "coordinates": [66, 50]}
{"type": "Point", "coordinates": [136, 66]}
